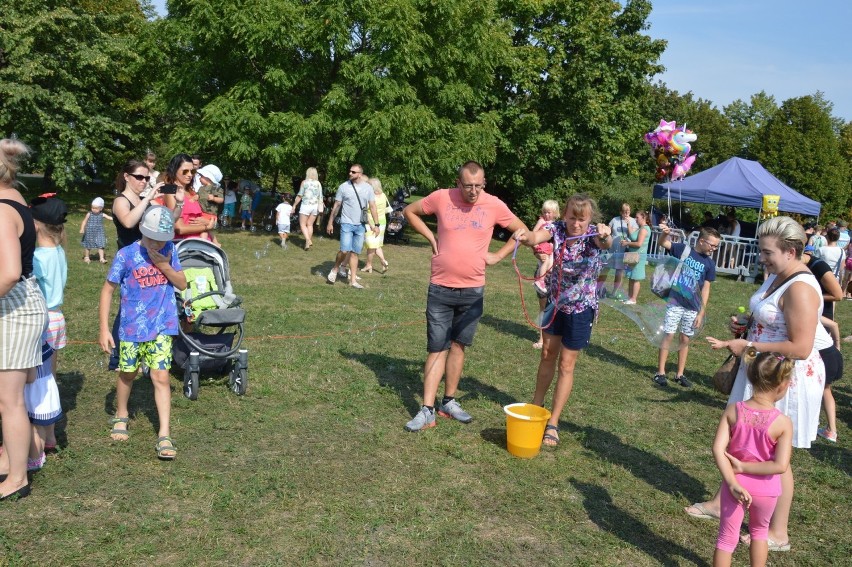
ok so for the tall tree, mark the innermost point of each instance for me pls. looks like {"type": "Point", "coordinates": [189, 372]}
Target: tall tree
{"type": "Point", "coordinates": [800, 145]}
{"type": "Point", "coordinates": [746, 120]}
{"type": "Point", "coordinates": [67, 82]}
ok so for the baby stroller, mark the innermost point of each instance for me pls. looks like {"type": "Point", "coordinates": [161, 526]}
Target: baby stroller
{"type": "Point", "coordinates": [210, 333]}
{"type": "Point", "coordinates": [396, 222]}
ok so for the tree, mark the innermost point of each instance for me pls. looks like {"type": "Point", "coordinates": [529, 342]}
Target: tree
{"type": "Point", "coordinates": [68, 83]}
{"type": "Point", "coordinates": [800, 145]}
{"type": "Point", "coordinates": [746, 120]}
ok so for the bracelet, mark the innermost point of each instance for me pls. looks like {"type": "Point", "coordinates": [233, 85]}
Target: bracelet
{"type": "Point", "coordinates": [749, 344]}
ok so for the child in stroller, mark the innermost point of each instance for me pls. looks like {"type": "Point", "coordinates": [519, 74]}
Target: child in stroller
{"type": "Point", "coordinates": [211, 331]}
{"type": "Point", "coordinates": [396, 222]}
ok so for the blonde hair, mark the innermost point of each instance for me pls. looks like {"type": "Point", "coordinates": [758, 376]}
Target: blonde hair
{"type": "Point", "coordinates": [11, 152]}
{"type": "Point", "coordinates": [767, 370]}
{"type": "Point", "coordinates": [790, 234]}
{"type": "Point", "coordinates": [581, 204]}
{"type": "Point", "coordinates": [56, 232]}
{"type": "Point", "coordinates": [550, 205]}
{"type": "Point", "coordinates": [377, 185]}
{"type": "Point", "coordinates": [311, 173]}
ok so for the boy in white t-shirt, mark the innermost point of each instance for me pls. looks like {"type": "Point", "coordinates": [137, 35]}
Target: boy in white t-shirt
{"type": "Point", "coordinates": [282, 219]}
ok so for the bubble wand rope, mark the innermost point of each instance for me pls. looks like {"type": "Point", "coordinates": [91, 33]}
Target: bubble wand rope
{"type": "Point", "coordinates": [521, 278]}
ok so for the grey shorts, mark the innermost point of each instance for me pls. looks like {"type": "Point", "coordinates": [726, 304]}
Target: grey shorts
{"type": "Point", "coordinates": [452, 314]}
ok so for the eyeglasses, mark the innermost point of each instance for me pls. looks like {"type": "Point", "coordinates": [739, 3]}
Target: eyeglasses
{"type": "Point", "coordinates": [473, 187]}
{"type": "Point", "coordinates": [187, 171]}
{"type": "Point", "coordinates": [139, 176]}
{"type": "Point", "coordinates": [712, 246]}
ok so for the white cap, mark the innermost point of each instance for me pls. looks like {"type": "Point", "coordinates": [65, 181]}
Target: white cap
{"type": "Point", "coordinates": [98, 202]}
{"type": "Point", "coordinates": [211, 172]}
{"type": "Point", "coordinates": [157, 224]}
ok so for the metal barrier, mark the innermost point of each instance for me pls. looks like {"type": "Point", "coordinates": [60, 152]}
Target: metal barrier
{"type": "Point", "coordinates": [736, 256]}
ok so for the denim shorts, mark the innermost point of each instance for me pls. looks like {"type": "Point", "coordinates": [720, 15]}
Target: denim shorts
{"type": "Point", "coordinates": [351, 237]}
{"type": "Point", "coordinates": [452, 314]}
{"type": "Point", "coordinates": [285, 228]}
{"type": "Point", "coordinates": [575, 328]}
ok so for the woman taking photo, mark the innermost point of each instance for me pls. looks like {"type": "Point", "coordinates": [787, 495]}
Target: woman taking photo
{"type": "Point", "coordinates": [785, 312]}
{"type": "Point", "coordinates": [310, 196]}
{"type": "Point", "coordinates": [23, 316]}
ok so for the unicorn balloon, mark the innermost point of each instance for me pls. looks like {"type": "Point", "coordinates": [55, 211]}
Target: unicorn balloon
{"type": "Point", "coordinates": [680, 141]}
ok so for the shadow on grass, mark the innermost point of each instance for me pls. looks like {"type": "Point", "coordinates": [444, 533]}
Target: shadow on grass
{"type": "Point", "coordinates": [645, 466]}
{"type": "Point", "coordinates": [832, 455]}
{"type": "Point", "coordinates": [512, 328]}
{"type": "Point", "coordinates": [141, 401]}
{"type": "Point", "coordinates": [69, 384]}
{"type": "Point", "coordinates": [620, 523]}
{"type": "Point", "coordinates": [405, 377]}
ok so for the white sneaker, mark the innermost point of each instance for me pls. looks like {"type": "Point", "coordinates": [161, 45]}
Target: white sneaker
{"type": "Point", "coordinates": [332, 276]}
{"type": "Point", "coordinates": [356, 285]}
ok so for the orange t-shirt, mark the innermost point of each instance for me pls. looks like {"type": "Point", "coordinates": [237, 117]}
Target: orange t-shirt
{"type": "Point", "coordinates": [464, 233]}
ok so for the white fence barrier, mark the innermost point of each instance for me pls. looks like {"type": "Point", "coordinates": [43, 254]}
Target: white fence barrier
{"type": "Point", "coordinates": [736, 256]}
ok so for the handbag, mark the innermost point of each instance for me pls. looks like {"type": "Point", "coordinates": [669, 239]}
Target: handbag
{"type": "Point", "coordinates": [665, 276]}
{"type": "Point", "coordinates": [365, 215]}
{"type": "Point", "coordinates": [630, 258]}
{"type": "Point", "coordinates": [723, 379]}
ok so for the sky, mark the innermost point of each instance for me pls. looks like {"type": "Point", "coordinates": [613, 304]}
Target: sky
{"type": "Point", "coordinates": [724, 50]}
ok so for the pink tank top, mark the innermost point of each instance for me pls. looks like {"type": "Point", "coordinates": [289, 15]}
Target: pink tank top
{"type": "Point", "coordinates": [751, 443]}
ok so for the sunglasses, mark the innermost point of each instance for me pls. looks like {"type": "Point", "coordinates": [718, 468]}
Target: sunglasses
{"type": "Point", "coordinates": [354, 171]}
{"type": "Point", "coordinates": [139, 176]}
{"type": "Point", "coordinates": [187, 171]}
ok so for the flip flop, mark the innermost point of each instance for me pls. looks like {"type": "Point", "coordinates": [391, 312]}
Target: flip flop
{"type": "Point", "coordinates": [554, 439]}
{"type": "Point", "coordinates": [775, 546]}
{"type": "Point", "coordinates": [702, 513]}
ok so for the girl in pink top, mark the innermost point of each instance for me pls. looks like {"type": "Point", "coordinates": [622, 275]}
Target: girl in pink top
{"type": "Point", "coordinates": [752, 448]}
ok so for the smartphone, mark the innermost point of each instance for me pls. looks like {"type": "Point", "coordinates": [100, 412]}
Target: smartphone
{"type": "Point", "coordinates": [168, 189]}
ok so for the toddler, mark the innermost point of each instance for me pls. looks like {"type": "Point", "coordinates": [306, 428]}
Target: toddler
{"type": "Point", "coordinates": [544, 254]}
{"type": "Point", "coordinates": [752, 449]}
{"type": "Point", "coordinates": [229, 209]}
{"type": "Point", "coordinates": [245, 208]}
{"type": "Point", "coordinates": [92, 230]}
{"type": "Point", "coordinates": [282, 218]}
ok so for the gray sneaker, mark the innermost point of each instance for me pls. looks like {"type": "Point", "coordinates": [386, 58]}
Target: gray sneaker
{"type": "Point", "coordinates": [423, 420]}
{"type": "Point", "coordinates": [453, 410]}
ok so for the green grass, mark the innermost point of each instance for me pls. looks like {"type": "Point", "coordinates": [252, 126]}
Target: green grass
{"type": "Point", "coordinates": [312, 466]}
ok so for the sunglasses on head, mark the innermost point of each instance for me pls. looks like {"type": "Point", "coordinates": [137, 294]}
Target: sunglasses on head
{"type": "Point", "coordinates": [139, 176]}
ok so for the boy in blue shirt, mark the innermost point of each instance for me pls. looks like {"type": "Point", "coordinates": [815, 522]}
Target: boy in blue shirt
{"type": "Point", "coordinates": [688, 298]}
{"type": "Point", "coordinates": [147, 272]}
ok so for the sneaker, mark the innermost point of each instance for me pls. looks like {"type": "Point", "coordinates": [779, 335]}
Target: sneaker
{"type": "Point", "coordinates": [539, 286]}
{"type": "Point", "coordinates": [356, 285]}
{"type": "Point", "coordinates": [332, 276]}
{"type": "Point", "coordinates": [683, 381]}
{"type": "Point", "coordinates": [453, 410]}
{"type": "Point", "coordinates": [630, 302]}
{"type": "Point", "coordinates": [660, 380]}
{"type": "Point", "coordinates": [827, 434]}
{"type": "Point", "coordinates": [423, 420]}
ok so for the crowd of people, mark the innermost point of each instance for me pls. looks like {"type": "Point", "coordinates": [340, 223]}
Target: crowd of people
{"type": "Point", "coordinates": [790, 352]}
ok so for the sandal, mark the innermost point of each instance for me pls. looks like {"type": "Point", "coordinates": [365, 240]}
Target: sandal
{"type": "Point", "coordinates": [115, 431]}
{"type": "Point", "coordinates": [538, 345]}
{"type": "Point", "coordinates": [87, 260]}
{"type": "Point", "coordinates": [166, 450]}
{"type": "Point", "coordinates": [550, 440]}
{"type": "Point", "coordinates": [701, 512]}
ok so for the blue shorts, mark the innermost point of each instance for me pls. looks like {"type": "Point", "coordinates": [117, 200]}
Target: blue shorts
{"type": "Point", "coordinates": [283, 228]}
{"type": "Point", "coordinates": [245, 215]}
{"type": "Point", "coordinates": [452, 314]}
{"type": "Point", "coordinates": [229, 210]}
{"type": "Point", "coordinates": [575, 329]}
{"type": "Point", "coordinates": [351, 237]}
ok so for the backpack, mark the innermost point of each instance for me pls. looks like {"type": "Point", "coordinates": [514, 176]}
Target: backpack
{"type": "Point", "coordinates": [666, 274]}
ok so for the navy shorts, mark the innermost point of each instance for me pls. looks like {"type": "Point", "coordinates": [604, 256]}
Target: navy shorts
{"type": "Point", "coordinates": [452, 314]}
{"type": "Point", "coordinates": [833, 360]}
{"type": "Point", "coordinates": [575, 329]}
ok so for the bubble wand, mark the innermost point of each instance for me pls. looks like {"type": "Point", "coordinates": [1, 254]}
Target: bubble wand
{"type": "Point", "coordinates": [521, 277]}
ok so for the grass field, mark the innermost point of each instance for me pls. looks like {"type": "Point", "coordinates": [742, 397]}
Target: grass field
{"type": "Point", "coordinates": [312, 465]}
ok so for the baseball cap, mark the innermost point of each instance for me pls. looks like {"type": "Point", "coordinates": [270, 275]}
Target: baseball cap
{"type": "Point", "coordinates": [48, 209]}
{"type": "Point", "coordinates": [211, 172]}
{"type": "Point", "coordinates": [157, 224]}
{"type": "Point", "coordinates": [97, 202]}
{"type": "Point", "coordinates": [808, 249]}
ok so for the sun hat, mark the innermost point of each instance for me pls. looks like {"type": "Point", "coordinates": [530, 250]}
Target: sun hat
{"type": "Point", "coordinates": [211, 172]}
{"type": "Point", "coordinates": [157, 224]}
{"type": "Point", "coordinates": [48, 209]}
{"type": "Point", "coordinates": [98, 202]}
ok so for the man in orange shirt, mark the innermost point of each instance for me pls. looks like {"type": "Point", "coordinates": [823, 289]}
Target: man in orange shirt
{"type": "Point", "coordinates": [466, 218]}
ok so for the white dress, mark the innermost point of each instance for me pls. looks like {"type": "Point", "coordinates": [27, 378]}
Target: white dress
{"type": "Point", "coordinates": [804, 397]}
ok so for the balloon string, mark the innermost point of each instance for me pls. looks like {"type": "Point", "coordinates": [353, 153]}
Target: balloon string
{"type": "Point", "coordinates": [521, 278]}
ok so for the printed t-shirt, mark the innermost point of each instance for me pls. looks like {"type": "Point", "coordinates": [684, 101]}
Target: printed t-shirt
{"type": "Point", "coordinates": [51, 271]}
{"type": "Point", "coordinates": [148, 307]}
{"type": "Point", "coordinates": [205, 191]}
{"type": "Point", "coordinates": [245, 202]}
{"type": "Point", "coordinates": [464, 233]}
{"type": "Point", "coordinates": [697, 268]}
{"type": "Point", "coordinates": [310, 192]}
{"type": "Point", "coordinates": [579, 263]}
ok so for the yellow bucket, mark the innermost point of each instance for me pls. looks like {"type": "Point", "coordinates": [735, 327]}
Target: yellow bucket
{"type": "Point", "coordinates": [525, 429]}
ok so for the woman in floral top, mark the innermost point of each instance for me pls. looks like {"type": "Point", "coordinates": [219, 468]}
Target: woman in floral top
{"type": "Point", "coordinates": [572, 303]}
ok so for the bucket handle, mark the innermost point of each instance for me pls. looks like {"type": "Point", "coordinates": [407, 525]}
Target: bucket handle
{"type": "Point", "coordinates": [517, 415]}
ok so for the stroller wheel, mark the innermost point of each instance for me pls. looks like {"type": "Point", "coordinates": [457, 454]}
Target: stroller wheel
{"type": "Point", "coordinates": [268, 228]}
{"type": "Point", "coordinates": [190, 383]}
{"type": "Point", "coordinates": [253, 228]}
{"type": "Point", "coordinates": [238, 381]}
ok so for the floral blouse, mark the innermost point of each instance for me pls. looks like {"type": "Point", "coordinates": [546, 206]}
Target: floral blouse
{"type": "Point", "coordinates": [578, 262]}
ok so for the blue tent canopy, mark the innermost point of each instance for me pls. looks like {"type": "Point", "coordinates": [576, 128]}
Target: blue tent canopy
{"type": "Point", "coordinates": [736, 182]}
